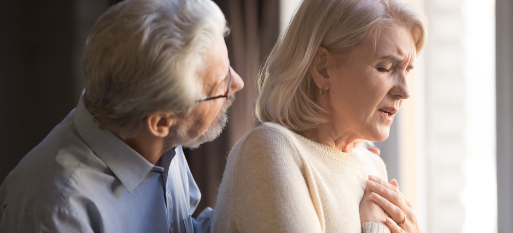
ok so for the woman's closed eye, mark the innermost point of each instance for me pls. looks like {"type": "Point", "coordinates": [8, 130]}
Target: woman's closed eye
{"type": "Point", "coordinates": [383, 70]}
{"type": "Point", "coordinates": [384, 67]}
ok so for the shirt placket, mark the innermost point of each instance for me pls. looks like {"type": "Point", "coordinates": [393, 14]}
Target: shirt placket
{"type": "Point", "coordinates": [165, 162]}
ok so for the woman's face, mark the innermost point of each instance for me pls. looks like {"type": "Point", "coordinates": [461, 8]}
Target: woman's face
{"type": "Point", "coordinates": [366, 89]}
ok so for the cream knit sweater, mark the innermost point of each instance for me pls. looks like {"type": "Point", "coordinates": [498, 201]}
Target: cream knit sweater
{"type": "Point", "coordinates": [278, 181]}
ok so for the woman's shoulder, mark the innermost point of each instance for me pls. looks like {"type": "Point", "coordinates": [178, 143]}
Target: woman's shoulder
{"type": "Point", "coordinates": [267, 140]}
{"type": "Point", "coordinates": [270, 133]}
{"type": "Point", "coordinates": [272, 128]}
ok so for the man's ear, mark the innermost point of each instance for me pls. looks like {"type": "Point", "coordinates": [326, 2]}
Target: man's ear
{"type": "Point", "coordinates": [319, 69]}
{"type": "Point", "coordinates": [159, 122]}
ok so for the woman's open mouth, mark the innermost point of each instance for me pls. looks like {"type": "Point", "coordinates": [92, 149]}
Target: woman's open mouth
{"type": "Point", "coordinates": [387, 113]}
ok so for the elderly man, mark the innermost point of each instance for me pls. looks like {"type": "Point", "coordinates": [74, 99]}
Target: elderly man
{"type": "Point", "coordinates": [157, 77]}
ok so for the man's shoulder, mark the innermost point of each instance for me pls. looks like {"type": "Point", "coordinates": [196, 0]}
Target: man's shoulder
{"type": "Point", "coordinates": [62, 145]}
{"type": "Point", "coordinates": [53, 159]}
{"type": "Point", "coordinates": [51, 173]}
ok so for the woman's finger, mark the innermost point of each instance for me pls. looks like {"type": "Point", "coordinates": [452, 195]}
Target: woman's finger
{"type": "Point", "coordinates": [393, 196]}
{"type": "Point", "coordinates": [394, 183]}
{"type": "Point", "coordinates": [394, 228]}
{"type": "Point", "coordinates": [395, 212]}
{"type": "Point", "coordinates": [384, 183]}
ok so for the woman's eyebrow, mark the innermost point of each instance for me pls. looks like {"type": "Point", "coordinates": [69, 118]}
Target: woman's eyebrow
{"type": "Point", "coordinates": [396, 58]}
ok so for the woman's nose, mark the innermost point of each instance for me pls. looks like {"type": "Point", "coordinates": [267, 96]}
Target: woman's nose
{"type": "Point", "coordinates": [401, 90]}
{"type": "Point", "coordinates": [237, 83]}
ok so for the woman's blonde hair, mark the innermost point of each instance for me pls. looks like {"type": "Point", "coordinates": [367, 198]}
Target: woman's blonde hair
{"type": "Point", "coordinates": [286, 90]}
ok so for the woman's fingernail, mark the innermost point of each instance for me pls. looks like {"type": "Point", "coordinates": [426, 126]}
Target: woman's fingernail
{"type": "Point", "coordinates": [389, 220]}
{"type": "Point", "coordinates": [376, 196]}
{"type": "Point", "coordinates": [372, 177]}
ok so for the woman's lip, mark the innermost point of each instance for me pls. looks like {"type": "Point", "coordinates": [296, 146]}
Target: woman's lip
{"type": "Point", "coordinates": [390, 110]}
{"type": "Point", "coordinates": [388, 117]}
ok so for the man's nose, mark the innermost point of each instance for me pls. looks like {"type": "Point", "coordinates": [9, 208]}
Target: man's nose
{"type": "Point", "coordinates": [237, 82]}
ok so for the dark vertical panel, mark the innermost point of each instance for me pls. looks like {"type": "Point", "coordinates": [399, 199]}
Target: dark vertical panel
{"type": "Point", "coordinates": [39, 71]}
{"type": "Point", "coordinates": [86, 13]}
{"type": "Point", "coordinates": [504, 86]}
{"type": "Point", "coordinates": [254, 28]}
{"type": "Point", "coordinates": [35, 74]}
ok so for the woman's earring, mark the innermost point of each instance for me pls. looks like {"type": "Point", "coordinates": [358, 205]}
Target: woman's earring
{"type": "Point", "coordinates": [322, 92]}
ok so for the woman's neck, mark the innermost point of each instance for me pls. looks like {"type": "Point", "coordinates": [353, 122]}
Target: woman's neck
{"type": "Point", "coordinates": [327, 134]}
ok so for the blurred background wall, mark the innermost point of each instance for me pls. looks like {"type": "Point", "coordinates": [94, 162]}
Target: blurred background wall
{"type": "Point", "coordinates": [450, 148]}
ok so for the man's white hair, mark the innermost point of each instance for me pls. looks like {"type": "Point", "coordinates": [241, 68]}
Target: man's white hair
{"type": "Point", "coordinates": [146, 55]}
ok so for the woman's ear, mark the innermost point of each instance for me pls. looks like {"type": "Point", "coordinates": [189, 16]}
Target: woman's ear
{"type": "Point", "coordinates": [159, 122]}
{"type": "Point", "coordinates": [319, 69]}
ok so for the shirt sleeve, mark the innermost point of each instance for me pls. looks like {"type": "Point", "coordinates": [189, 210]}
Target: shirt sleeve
{"type": "Point", "coordinates": [270, 191]}
{"type": "Point", "coordinates": [372, 227]}
{"type": "Point", "coordinates": [204, 221]}
{"type": "Point", "coordinates": [63, 220]}
{"type": "Point", "coordinates": [48, 219]}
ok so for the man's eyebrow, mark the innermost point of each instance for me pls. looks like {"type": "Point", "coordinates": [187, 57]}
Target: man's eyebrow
{"type": "Point", "coordinates": [226, 76]}
{"type": "Point", "coordinates": [222, 81]}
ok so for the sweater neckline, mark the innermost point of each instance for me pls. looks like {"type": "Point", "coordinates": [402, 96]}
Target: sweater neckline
{"type": "Point", "coordinates": [353, 159]}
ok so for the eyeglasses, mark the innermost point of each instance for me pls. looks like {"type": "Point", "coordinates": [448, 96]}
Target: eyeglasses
{"type": "Point", "coordinates": [227, 89]}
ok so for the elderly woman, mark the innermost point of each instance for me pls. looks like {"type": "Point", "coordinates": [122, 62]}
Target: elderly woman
{"type": "Point", "coordinates": [335, 80]}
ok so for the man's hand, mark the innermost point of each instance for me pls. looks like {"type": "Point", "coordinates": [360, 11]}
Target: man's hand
{"type": "Point", "coordinates": [372, 148]}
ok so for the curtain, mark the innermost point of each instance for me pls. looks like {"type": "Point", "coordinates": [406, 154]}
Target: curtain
{"type": "Point", "coordinates": [254, 29]}
{"type": "Point", "coordinates": [36, 74]}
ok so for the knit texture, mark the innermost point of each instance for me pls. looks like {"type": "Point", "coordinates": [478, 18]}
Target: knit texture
{"type": "Point", "coordinates": [279, 181]}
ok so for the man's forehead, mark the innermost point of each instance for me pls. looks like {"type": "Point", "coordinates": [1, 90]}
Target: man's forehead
{"type": "Point", "coordinates": [216, 66]}
{"type": "Point", "coordinates": [215, 75]}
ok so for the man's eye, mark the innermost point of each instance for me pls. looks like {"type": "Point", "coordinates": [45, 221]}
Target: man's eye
{"type": "Point", "coordinates": [381, 69]}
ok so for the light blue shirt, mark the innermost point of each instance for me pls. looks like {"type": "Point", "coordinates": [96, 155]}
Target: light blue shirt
{"type": "Point", "coordinates": [81, 178]}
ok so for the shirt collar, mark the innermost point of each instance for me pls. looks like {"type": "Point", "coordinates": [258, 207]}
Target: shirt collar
{"type": "Point", "coordinates": [128, 165]}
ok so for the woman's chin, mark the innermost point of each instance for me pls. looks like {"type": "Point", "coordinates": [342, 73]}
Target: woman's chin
{"type": "Point", "coordinates": [380, 134]}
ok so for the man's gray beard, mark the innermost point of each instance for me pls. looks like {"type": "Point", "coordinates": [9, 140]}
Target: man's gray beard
{"type": "Point", "coordinates": [181, 137]}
